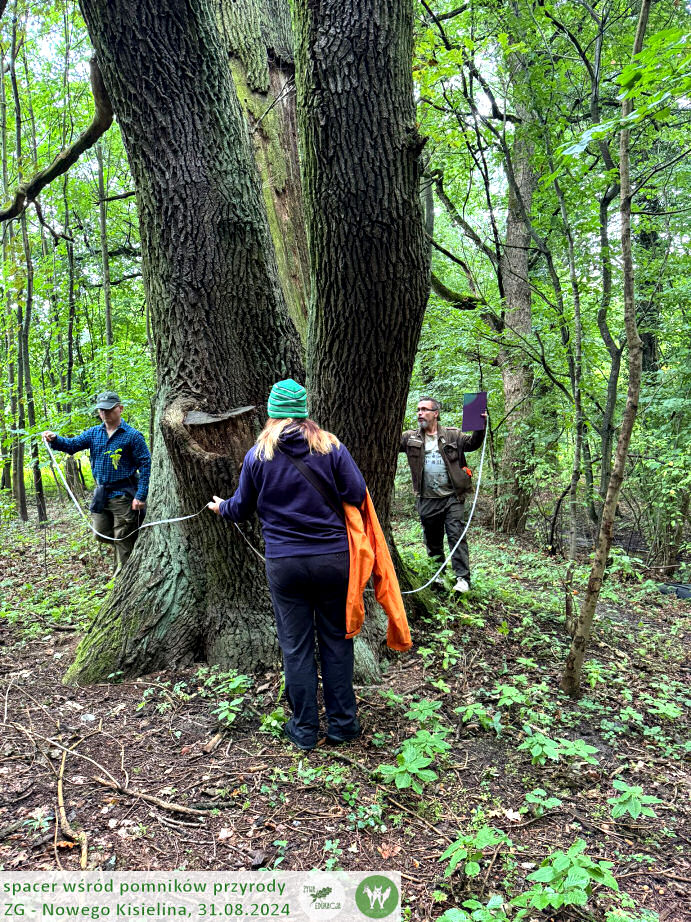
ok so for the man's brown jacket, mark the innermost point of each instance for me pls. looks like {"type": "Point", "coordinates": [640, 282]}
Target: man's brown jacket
{"type": "Point", "coordinates": [452, 444]}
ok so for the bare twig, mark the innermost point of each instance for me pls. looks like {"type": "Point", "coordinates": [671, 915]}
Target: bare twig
{"type": "Point", "coordinates": [46, 739]}
{"type": "Point", "coordinates": [67, 830]}
{"type": "Point", "coordinates": [150, 799]}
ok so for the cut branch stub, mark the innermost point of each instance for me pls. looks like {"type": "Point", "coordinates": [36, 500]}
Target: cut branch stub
{"type": "Point", "coordinates": [232, 433]}
{"type": "Point", "coordinates": [208, 449]}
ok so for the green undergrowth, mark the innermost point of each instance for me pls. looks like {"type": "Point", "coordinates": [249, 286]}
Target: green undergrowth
{"type": "Point", "coordinates": [530, 802]}
{"type": "Point", "coordinates": [492, 660]}
{"type": "Point", "coordinates": [52, 577]}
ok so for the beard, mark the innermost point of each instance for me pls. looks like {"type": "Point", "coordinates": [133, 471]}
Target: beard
{"type": "Point", "coordinates": [424, 424]}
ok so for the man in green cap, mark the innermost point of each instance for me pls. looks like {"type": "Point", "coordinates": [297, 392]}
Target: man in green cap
{"type": "Point", "coordinates": [121, 466]}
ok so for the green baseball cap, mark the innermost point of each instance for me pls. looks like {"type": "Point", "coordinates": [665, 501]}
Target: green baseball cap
{"type": "Point", "coordinates": [107, 400]}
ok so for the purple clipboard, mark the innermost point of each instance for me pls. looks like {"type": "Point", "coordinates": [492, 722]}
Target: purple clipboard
{"type": "Point", "coordinates": [474, 405]}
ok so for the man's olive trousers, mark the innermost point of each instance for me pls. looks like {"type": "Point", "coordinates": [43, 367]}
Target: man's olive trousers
{"type": "Point", "coordinates": [118, 520]}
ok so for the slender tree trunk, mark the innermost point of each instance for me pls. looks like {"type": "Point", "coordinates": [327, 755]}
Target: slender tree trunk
{"type": "Point", "coordinates": [222, 335]}
{"type": "Point", "coordinates": [360, 154]}
{"type": "Point", "coordinates": [579, 433]}
{"type": "Point", "coordinates": [24, 324]}
{"type": "Point", "coordinates": [71, 299]}
{"type": "Point", "coordinates": [7, 344]}
{"type": "Point", "coordinates": [19, 448]}
{"type": "Point", "coordinates": [105, 263]}
{"type": "Point", "coordinates": [647, 307]}
{"type": "Point", "coordinates": [25, 333]}
{"type": "Point", "coordinates": [73, 472]}
{"type": "Point", "coordinates": [571, 679]}
{"type": "Point", "coordinates": [18, 452]}
{"type": "Point", "coordinates": [5, 440]}
{"type": "Point", "coordinates": [615, 350]}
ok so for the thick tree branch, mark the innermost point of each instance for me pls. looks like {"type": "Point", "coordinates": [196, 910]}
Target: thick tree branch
{"type": "Point", "coordinates": [101, 121]}
{"type": "Point", "coordinates": [442, 17]}
{"type": "Point", "coordinates": [459, 301]}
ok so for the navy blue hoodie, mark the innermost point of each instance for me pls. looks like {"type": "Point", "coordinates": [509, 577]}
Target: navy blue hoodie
{"type": "Point", "coordinates": [296, 520]}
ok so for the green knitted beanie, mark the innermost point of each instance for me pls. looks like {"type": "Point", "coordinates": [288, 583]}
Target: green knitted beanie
{"type": "Point", "coordinates": [287, 399]}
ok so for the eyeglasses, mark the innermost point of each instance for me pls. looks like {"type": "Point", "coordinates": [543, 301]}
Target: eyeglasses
{"type": "Point", "coordinates": [426, 410]}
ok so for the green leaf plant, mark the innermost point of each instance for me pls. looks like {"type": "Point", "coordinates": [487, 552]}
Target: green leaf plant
{"type": "Point", "coordinates": [411, 769]}
{"type": "Point", "coordinates": [631, 801]}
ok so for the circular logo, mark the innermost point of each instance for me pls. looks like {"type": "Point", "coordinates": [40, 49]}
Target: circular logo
{"type": "Point", "coordinates": [323, 897]}
{"type": "Point", "coordinates": [376, 896]}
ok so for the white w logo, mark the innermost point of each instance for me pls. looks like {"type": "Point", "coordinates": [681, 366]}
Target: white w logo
{"type": "Point", "coordinates": [377, 896]}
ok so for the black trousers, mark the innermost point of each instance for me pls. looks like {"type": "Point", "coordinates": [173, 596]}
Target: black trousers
{"type": "Point", "coordinates": [446, 514]}
{"type": "Point", "coordinates": [309, 593]}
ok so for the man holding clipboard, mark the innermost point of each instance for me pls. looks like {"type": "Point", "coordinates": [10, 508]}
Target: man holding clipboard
{"type": "Point", "coordinates": [441, 478]}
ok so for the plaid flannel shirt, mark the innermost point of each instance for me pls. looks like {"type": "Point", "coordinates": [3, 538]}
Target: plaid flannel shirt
{"type": "Point", "coordinates": [114, 458]}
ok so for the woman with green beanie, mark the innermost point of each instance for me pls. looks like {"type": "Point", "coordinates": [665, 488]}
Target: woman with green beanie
{"type": "Point", "coordinates": [296, 477]}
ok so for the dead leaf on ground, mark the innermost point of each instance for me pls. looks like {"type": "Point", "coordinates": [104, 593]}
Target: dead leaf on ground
{"type": "Point", "coordinates": [388, 851]}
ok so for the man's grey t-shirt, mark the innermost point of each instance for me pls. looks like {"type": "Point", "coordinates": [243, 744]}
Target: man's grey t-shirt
{"type": "Point", "coordinates": [435, 478]}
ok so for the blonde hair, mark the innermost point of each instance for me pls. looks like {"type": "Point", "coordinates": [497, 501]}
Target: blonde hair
{"type": "Point", "coordinates": [318, 440]}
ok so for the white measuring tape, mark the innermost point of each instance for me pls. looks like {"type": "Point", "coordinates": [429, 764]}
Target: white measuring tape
{"type": "Point", "coordinates": [463, 533]}
{"type": "Point", "coordinates": [183, 518]}
{"type": "Point", "coordinates": [180, 518]}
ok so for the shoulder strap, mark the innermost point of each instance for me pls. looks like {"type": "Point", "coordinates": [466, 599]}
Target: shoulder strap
{"type": "Point", "coordinates": [313, 479]}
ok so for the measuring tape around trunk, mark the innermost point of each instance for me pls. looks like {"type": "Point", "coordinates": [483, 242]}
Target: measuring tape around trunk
{"type": "Point", "coordinates": [183, 518]}
{"type": "Point", "coordinates": [180, 518]}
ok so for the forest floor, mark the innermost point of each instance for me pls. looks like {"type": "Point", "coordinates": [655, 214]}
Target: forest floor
{"type": "Point", "coordinates": [493, 759]}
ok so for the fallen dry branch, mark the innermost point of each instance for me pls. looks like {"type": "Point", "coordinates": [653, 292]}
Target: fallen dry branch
{"type": "Point", "coordinates": [150, 799]}
{"type": "Point", "coordinates": [46, 739]}
{"type": "Point", "coordinates": [67, 830]}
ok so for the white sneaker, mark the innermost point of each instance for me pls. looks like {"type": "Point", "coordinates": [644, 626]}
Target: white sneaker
{"type": "Point", "coordinates": [461, 585]}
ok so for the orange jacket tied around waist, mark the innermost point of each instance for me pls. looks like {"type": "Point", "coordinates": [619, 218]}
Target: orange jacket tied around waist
{"type": "Point", "coordinates": [369, 556]}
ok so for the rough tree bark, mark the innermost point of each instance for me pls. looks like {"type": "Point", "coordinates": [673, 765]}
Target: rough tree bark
{"type": "Point", "coordinates": [369, 259]}
{"type": "Point", "coordinates": [517, 458]}
{"type": "Point", "coordinates": [570, 682]}
{"type": "Point", "coordinates": [222, 336]}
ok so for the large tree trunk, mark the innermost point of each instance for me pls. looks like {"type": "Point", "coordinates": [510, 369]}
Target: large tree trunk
{"type": "Point", "coordinates": [518, 456]}
{"type": "Point", "coordinates": [259, 42]}
{"type": "Point", "coordinates": [360, 154]}
{"type": "Point", "coordinates": [222, 336]}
